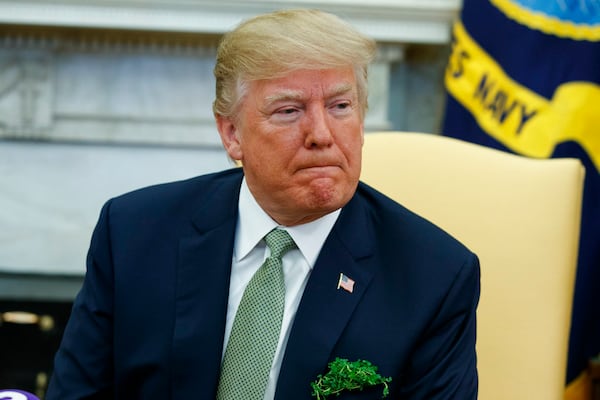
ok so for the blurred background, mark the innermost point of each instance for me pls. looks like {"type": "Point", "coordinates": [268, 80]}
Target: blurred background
{"type": "Point", "coordinates": [99, 97]}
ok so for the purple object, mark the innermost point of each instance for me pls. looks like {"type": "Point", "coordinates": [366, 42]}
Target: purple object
{"type": "Point", "coordinates": [16, 394]}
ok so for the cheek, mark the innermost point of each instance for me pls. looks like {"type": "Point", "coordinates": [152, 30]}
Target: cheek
{"type": "Point", "coordinates": [352, 147]}
{"type": "Point", "coordinates": [277, 149]}
{"type": "Point", "coordinates": [267, 158]}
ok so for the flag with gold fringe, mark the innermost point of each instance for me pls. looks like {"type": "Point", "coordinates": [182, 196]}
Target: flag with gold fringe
{"type": "Point", "coordinates": [524, 77]}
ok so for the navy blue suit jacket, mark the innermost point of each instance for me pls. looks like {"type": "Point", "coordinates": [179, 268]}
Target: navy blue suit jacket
{"type": "Point", "coordinates": [149, 320]}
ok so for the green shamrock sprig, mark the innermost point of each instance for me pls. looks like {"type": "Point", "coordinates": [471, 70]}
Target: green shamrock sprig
{"type": "Point", "coordinates": [348, 375]}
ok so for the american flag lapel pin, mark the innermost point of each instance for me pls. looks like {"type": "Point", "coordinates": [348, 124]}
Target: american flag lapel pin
{"type": "Point", "coordinates": [345, 283]}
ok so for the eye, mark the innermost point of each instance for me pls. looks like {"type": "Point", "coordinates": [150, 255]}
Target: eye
{"type": "Point", "coordinates": [341, 107]}
{"type": "Point", "coordinates": [287, 111]}
{"type": "Point", "coordinates": [286, 114]}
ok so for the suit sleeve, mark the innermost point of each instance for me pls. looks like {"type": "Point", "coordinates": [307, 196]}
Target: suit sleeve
{"type": "Point", "coordinates": [444, 364]}
{"type": "Point", "coordinates": [83, 365]}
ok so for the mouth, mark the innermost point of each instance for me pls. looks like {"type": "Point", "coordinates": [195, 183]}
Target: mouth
{"type": "Point", "coordinates": [319, 167]}
{"type": "Point", "coordinates": [320, 170]}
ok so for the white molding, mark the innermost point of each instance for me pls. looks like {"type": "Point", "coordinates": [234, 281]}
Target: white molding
{"type": "Point", "coordinates": [412, 21]}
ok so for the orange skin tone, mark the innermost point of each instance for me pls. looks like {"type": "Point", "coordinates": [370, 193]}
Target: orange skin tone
{"type": "Point", "coordinates": [299, 139]}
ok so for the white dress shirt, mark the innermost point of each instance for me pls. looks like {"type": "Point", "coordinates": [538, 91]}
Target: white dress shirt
{"type": "Point", "coordinates": [250, 251]}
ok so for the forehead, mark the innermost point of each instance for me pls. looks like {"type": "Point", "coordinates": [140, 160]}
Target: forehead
{"type": "Point", "coordinates": [306, 83]}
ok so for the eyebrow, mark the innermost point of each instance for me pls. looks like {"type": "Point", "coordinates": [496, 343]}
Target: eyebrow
{"type": "Point", "coordinates": [297, 95]}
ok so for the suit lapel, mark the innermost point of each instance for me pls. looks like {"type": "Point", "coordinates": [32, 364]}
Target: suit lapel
{"type": "Point", "coordinates": [203, 272]}
{"type": "Point", "coordinates": [324, 309]}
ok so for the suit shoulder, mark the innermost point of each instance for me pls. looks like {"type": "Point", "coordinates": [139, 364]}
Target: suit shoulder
{"type": "Point", "coordinates": [400, 223]}
{"type": "Point", "coordinates": [179, 197]}
{"type": "Point", "coordinates": [172, 191]}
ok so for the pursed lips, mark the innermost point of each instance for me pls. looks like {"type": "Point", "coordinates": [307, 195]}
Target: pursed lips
{"type": "Point", "coordinates": [320, 168]}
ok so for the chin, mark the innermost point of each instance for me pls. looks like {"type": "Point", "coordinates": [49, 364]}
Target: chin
{"type": "Point", "coordinates": [328, 199]}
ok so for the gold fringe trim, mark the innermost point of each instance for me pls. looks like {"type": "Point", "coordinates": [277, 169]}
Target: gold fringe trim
{"type": "Point", "coordinates": [547, 24]}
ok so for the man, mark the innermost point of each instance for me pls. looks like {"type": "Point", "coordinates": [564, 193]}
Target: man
{"type": "Point", "coordinates": [162, 310]}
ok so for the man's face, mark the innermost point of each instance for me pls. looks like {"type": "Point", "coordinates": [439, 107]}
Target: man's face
{"type": "Point", "coordinates": [300, 139]}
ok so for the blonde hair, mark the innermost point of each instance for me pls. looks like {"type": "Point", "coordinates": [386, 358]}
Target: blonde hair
{"type": "Point", "coordinates": [272, 45]}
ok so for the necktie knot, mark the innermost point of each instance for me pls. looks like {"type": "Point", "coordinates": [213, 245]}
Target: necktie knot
{"type": "Point", "coordinates": [280, 242]}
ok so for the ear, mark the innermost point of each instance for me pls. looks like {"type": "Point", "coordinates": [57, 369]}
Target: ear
{"type": "Point", "coordinates": [229, 136]}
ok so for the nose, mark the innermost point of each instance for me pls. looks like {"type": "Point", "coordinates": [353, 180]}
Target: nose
{"type": "Point", "coordinates": [317, 131]}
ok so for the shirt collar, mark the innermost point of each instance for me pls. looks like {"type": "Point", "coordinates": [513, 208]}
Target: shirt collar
{"type": "Point", "coordinates": [254, 223]}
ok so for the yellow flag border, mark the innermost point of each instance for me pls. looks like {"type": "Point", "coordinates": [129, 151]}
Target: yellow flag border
{"type": "Point", "coordinates": [547, 24]}
{"type": "Point", "coordinates": [516, 116]}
